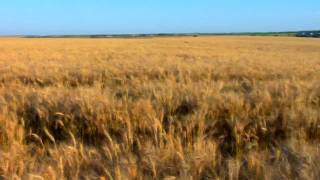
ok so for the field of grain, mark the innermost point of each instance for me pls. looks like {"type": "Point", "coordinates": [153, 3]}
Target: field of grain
{"type": "Point", "coordinates": [160, 108]}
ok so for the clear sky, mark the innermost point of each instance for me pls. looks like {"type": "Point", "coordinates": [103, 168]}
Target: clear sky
{"type": "Point", "coordinates": [48, 17]}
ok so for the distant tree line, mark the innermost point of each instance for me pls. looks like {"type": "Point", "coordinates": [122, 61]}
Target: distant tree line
{"type": "Point", "coordinates": [285, 34]}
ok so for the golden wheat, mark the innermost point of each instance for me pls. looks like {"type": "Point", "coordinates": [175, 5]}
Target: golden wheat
{"type": "Point", "coordinates": [160, 108]}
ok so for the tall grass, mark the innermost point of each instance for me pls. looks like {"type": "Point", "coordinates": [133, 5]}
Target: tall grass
{"type": "Point", "coordinates": [163, 108]}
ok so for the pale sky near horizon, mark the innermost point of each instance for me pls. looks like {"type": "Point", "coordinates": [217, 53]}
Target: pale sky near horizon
{"type": "Point", "coordinates": [58, 17]}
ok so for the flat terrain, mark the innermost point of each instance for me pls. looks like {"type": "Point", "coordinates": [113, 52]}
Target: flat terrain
{"type": "Point", "coordinates": [190, 108]}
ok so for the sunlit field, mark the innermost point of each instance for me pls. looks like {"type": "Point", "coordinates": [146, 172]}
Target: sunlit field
{"type": "Point", "coordinates": [160, 108]}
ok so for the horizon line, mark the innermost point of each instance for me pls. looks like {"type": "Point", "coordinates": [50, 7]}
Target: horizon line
{"type": "Point", "coordinates": [150, 34]}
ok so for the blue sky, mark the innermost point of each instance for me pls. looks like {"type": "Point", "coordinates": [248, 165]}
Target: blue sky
{"type": "Point", "coordinates": [41, 17]}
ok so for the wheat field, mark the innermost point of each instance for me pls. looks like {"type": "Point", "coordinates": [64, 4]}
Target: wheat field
{"type": "Point", "coordinates": [160, 108]}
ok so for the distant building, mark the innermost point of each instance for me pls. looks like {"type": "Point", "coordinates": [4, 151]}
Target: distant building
{"type": "Point", "coordinates": [308, 34]}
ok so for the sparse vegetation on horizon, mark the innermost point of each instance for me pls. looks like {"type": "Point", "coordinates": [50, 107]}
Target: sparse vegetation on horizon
{"type": "Point", "coordinates": [161, 108]}
{"type": "Point", "coordinates": [276, 34]}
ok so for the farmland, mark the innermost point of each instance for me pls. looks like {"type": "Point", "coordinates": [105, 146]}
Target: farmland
{"type": "Point", "coordinates": [232, 107]}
